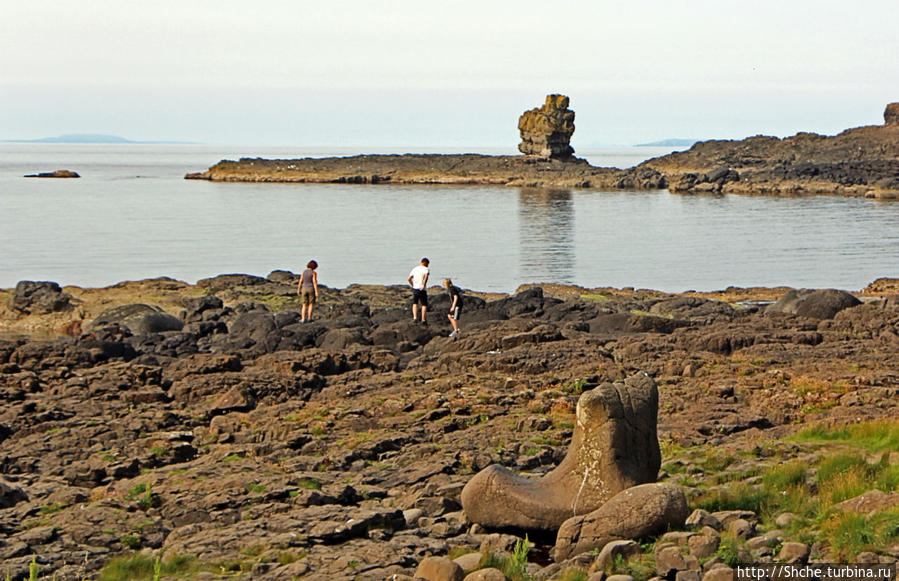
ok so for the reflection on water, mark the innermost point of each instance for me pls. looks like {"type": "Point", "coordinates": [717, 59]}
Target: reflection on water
{"type": "Point", "coordinates": [546, 234]}
{"type": "Point", "coordinates": [109, 226]}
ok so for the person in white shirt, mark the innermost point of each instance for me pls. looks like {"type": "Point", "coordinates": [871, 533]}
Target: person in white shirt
{"type": "Point", "coordinates": [418, 279]}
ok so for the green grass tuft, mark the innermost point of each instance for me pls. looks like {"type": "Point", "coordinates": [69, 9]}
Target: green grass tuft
{"type": "Point", "coordinates": [873, 436]}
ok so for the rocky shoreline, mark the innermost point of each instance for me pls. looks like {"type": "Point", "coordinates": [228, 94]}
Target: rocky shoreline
{"type": "Point", "coordinates": [860, 162]}
{"type": "Point", "coordinates": [203, 429]}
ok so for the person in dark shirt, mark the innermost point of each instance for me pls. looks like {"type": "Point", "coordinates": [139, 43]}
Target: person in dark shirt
{"type": "Point", "coordinates": [455, 310]}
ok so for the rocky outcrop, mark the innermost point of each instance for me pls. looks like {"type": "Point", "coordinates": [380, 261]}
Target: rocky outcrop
{"type": "Point", "coordinates": [546, 131]}
{"type": "Point", "coordinates": [462, 169]}
{"type": "Point", "coordinates": [341, 449]}
{"type": "Point", "coordinates": [891, 114]}
{"type": "Point", "coordinates": [60, 173]}
{"type": "Point", "coordinates": [858, 162]}
{"type": "Point", "coordinates": [39, 298]}
{"type": "Point", "coordinates": [614, 447]}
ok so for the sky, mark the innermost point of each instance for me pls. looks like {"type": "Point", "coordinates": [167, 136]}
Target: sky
{"type": "Point", "coordinates": [454, 73]}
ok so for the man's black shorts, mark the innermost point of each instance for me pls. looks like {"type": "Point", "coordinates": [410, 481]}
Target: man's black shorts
{"type": "Point", "coordinates": [420, 297]}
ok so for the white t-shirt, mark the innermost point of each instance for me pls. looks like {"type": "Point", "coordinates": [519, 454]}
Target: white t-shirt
{"type": "Point", "coordinates": [418, 276]}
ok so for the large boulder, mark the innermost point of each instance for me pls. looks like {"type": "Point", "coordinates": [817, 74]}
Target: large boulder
{"type": "Point", "coordinates": [614, 447]}
{"type": "Point", "coordinates": [546, 131]}
{"type": "Point", "coordinates": [637, 512]}
{"type": "Point", "coordinates": [138, 318]}
{"type": "Point", "coordinates": [817, 304]}
{"type": "Point", "coordinates": [38, 298]}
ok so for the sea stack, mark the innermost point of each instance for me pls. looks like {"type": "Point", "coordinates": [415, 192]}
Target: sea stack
{"type": "Point", "coordinates": [546, 131]}
{"type": "Point", "coordinates": [890, 114]}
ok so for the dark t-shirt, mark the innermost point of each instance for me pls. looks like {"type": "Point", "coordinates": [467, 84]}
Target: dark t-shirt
{"type": "Point", "coordinates": [455, 291]}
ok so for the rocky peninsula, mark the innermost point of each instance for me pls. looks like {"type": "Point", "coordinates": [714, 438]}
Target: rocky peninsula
{"type": "Point", "coordinates": [858, 162]}
{"type": "Point", "coordinates": [162, 429]}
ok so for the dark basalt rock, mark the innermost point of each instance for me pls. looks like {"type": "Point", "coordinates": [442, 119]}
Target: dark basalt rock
{"type": "Point", "coordinates": [139, 318]}
{"type": "Point", "coordinates": [817, 304]}
{"type": "Point", "coordinates": [39, 297]}
{"type": "Point", "coordinates": [60, 173]}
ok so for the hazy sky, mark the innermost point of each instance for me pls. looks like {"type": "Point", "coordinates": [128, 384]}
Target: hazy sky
{"type": "Point", "coordinates": [449, 73]}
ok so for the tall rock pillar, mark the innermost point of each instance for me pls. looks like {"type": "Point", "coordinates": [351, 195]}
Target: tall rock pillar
{"type": "Point", "coordinates": [547, 130]}
{"type": "Point", "coordinates": [890, 115]}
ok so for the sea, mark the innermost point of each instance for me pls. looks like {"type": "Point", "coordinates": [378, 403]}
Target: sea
{"type": "Point", "coordinates": [132, 216]}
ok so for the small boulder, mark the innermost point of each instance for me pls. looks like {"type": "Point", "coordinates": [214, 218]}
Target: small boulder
{"type": "Point", "coordinates": [626, 549]}
{"type": "Point", "coordinates": [700, 518]}
{"type": "Point", "coordinates": [282, 276]}
{"type": "Point", "coordinates": [488, 574]}
{"type": "Point", "coordinates": [439, 569]}
{"type": "Point", "coordinates": [703, 546]}
{"type": "Point", "coordinates": [469, 561]}
{"type": "Point", "coordinates": [720, 573]}
{"type": "Point", "coordinates": [794, 553]}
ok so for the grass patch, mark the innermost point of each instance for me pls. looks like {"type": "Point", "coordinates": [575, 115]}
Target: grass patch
{"type": "Point", "coordinates": [546, 441]}
{"type": "Point", "coordinates": [851, 533]}
{"type": "Point", "coordinates": [717, 461]}
{"type": "Point", "coordinates": [789, 487]}
{"type": "Point", "coordinates": [51, 508]}
{"type": "Point", "coordinates": [141, 567]}
{"type": "Point", "coordinates": [729, 550]}
{"type": "Point", "coordinates": [873, 436]}
{"type": "Point", "coordinates": [309, 483]}
{"type": "Point", "coordinates": [595, 297]}
{"type": "Point", "coordinates": [640, 568]}
{"type": "Point", "coordinates": [253, 487]}
{"type": "Point", "coordinates": [513, 566]}
{"type": "Point", "coordinates": [353, 441]}
{"type": "Point", "coordinates": [575, 386]}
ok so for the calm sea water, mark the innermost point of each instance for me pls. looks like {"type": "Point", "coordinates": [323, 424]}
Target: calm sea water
{"type": "Point", "coordinates": [133, 216]}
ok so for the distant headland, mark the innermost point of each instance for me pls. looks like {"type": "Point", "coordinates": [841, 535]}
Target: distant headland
{"type": "Point", "coordinates": [860, 162]}
{"type": "Point", "coordinates": [95, 138]}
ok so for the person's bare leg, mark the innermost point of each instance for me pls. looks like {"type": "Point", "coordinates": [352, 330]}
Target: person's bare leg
{"type": "Point", "coordinates": [414, 311]}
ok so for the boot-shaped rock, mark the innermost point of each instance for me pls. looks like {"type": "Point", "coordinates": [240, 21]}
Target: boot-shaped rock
{"type": "Point", "coordinates": [614, 447]}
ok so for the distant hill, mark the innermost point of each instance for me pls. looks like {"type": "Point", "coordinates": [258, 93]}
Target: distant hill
{"type": "Point", "coordinates": [669, 143]}
{"type": "Point", "coordinates": [85, 138]}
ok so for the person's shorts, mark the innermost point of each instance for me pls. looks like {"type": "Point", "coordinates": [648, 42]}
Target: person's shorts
{"type": "Point", "coordinates": [420, 297]}
{"type": "Point", "coordinates": [456, 313]}
{"type": "Point", "coordinates": [308, 296]}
